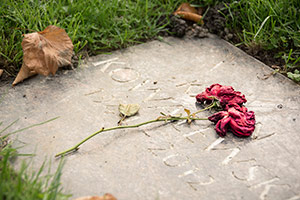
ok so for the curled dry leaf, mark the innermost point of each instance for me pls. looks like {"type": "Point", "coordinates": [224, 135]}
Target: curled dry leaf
{"type": "Point", "coordinates": [188, 112]}
{"type": "Point", "coordinates": [186, 7]}
{"type": "Point", "coordinates": [186, 11]}
{"type": "Point", "coordinates": [107, 196]}
{"type": "Point", "coordinates": [128, 110]}
{"type": "Point", "coordinates": [44, 52]}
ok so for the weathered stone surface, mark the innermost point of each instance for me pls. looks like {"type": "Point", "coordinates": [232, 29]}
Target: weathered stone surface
{"type": "Point", "coordinates": [163, 161]}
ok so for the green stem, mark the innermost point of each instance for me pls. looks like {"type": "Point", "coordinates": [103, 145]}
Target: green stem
{"type": "Point", "coordinates": [213, 104]}
{"type": "Point", "coordinates": [76, 147]}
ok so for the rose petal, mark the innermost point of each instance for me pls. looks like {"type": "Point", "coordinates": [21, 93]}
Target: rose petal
{"type": "Point", "coordinates": [250, 116]}
{"type": "Point", "coordinates": [236, 119]}
{"type": "Point", "coordinates": [208, 94]}
{"type": "Point", "coordinates": [203, 97]}
{"type": "Point", "coordinates": [214, 89]}
{"type": "Point", "coordinates": [218, 116]}
{"type": "Point", "coordinates": [222, 126]}
{"type": "Point", "coordinates": [236, 106]}
{"type": "Point", "coordinates": [225, 94]}
{"type": "Point", "coordinates": [241, 131]}
{"type": "Point", "coordinates": [242, 123]}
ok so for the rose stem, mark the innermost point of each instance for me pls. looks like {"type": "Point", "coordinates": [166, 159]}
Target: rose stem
{"type": "Point", "coordinates": [213, 104]}
{"type": "Point", "coordinates": [76, 147]}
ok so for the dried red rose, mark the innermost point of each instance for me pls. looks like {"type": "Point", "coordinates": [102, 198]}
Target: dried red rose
{"type": "Point", "coordinates": [236, 119]}
{"type": "Point", "coordinates": [225, 94]}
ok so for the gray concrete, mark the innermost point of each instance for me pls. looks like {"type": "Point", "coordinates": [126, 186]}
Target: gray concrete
{"type": "Point", "coordinates": [173, 161]}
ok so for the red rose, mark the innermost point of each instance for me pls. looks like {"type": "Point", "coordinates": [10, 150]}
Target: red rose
{"type": "Point", "coordinates": [225, 94]}
{"type": "Point", "coordinates": [236, 119]}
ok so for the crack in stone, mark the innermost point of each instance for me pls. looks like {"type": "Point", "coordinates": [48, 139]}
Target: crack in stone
{"type": "Point", "coordinates": [266, 136]}
{"type": "Point", "coordinates": [178, 130]}
{"type": "Point", "coordinates": [249, 160]}
{"type": "Point", "coordinates": [155, 149]}
{"type": "Point", "coordinates": [146, 133]}
{"type": "Point", "coordinates": [162, 99]}
{"type": "Point", "coordinates": [189, 139]}
{"type": "Point", "coordinates": [94, 92]}
{"type": "Point", "coordinates": [191, 185]}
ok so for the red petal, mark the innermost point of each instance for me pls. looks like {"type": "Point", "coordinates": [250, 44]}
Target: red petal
{"type": "Point", "coordinates": [214, 89]}
{"type": "Point", "coordinates": [241, 131]}
{"type": "Point", "coordinates": [227, 95]}
{"type": "Point", "coordinates": [218, 116]}
{"type": "Point", "coordinates": [242, 123]}
{"type": "Point", "coordinates": [209, 92]}
{"type": "Point", "coordinates": [203, 97]}
{"type": "Point", "coordinates": [222, 126]}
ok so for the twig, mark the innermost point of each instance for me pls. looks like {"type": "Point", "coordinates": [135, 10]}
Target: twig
{"type": "Point", "coordinates": [162, 118]}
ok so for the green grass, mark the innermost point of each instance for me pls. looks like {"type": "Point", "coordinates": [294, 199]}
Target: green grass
{"type": "Point", "coordinates": [271, 25]}
{"type": "Point", "coordinates": [25, 184]}
{"type": "Point", "coordinates": [97, 26]}
{"type": "Point", "coordinates": [93, 25]}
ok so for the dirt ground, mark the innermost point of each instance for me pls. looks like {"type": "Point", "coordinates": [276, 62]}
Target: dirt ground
{"type": "Point", "coordinates": [215, 23]}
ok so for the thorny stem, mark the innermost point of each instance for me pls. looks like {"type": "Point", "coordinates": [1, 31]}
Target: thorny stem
{"type": "Point", "coordinates": [163, 118]}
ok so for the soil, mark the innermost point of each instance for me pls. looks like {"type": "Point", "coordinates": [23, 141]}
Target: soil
{"type": "Point", "coordinates": [215, 23]}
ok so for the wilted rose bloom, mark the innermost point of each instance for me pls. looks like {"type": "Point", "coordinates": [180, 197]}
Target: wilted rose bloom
{"type": "Point", "coordinates": [225, 94]}
{"type": "Point", "coordinates": [236, 119]}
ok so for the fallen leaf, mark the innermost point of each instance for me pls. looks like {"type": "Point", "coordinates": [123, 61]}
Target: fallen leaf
{"type": "Point", "coordinates": [44, 52]}
{"type": "Point", "coordinates": [188, 112]}
{"type": "Point", "coordinates": [107, 196]}
{"type": "Point", "coordinates": [186, 7]}
{"type": "Point", "coordinates": [186, 11]}
{"type": "Point", "coordinates": [128, 110]}
{"type": "Point", "coordinates": [1, 72]}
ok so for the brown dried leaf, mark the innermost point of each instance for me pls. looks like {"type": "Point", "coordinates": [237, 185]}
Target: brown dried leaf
{"type": "Point", "coordinates": [186, 11]}
{"type": "Point", "coordinates": [186, 7]}
{"type": "Point", "coordinates": [1, 72]}
{"type": "Point", "coordinates": [107, 196]}
{"type": "Point", "coordinates": [190, 16]}
{"type": "Point", "coordinates": [44, 52]}
{"type": "Point", "coordinates": [23, 74]}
